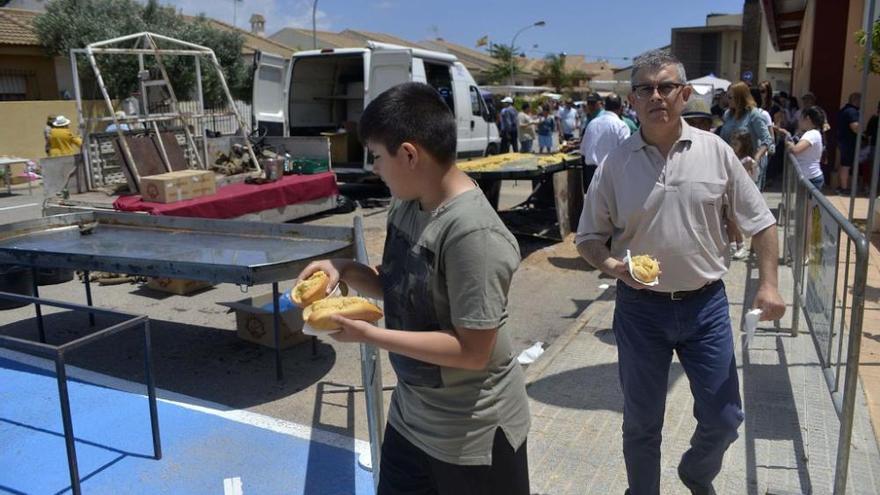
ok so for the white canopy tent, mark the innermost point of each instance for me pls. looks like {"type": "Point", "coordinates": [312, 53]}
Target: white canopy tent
{"type": "Point", "coordinates": [711, 80]}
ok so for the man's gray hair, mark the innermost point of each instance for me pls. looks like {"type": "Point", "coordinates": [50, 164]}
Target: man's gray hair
{"type": "Point", "coordinates": [654, 61]}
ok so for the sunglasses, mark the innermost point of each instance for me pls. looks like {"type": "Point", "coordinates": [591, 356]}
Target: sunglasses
{"type": "Point", "coordinates": [643, 91]}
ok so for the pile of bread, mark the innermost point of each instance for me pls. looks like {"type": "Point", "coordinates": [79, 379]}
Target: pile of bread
{"type": "Point", "coordinates": [311, 295]}
{"type": "Point", "coordinates": [645, 269]}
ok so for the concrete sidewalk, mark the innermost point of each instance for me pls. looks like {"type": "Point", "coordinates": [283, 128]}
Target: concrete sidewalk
{"type": "Point", "coordinates": [787, 444]}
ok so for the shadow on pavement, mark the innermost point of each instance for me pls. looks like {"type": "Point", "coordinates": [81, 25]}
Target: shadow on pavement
{"type": "Point", "coordinates": [766, 410]}
{"type": "Point", "coordinates": [589, 388]}
{"type": "Point", "coordinates": [201, 362]}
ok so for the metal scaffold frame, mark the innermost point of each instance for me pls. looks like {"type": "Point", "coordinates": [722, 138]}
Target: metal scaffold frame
{"type": "Point", "coordinates": [146, 44]}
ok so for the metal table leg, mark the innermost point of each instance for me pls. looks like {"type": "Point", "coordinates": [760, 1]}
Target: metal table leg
{"type": "Point", "coordinates": [68, 424]}
{"type": "Point", "coordinates": [151, 391]}
{"type": "Point", "coordinates": [88, 285]}
{"type": "Point", "coordinates": [276, 329]}
{"type": "Point", "coordinates": [40, 329]}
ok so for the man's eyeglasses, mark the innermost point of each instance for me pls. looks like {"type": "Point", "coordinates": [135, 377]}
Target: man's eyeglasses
{"type": "Point", "coordinates": [644, 91]}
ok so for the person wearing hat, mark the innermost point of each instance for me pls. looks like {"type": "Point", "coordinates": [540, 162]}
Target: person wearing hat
{"type": "Point", "coordinates": [698, 114]}
{"type": "Point", "coordinates": [62, 142]}
{"type": "Point", "coordinates": [592, 109]}
{"type": "Point", "coordinates": [508, 126]}
{"type": "Point", "coordinates": [120, 115]}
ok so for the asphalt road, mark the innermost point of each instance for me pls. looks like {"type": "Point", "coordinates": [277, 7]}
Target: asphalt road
{"type": "Point", "coordinates": [198, 354]}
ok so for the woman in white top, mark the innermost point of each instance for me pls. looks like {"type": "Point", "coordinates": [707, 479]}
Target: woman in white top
{"type": "Point", "coordinates": [808, 149]}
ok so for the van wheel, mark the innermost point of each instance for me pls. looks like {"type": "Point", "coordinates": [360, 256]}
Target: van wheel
{"type": "Point", "coordinates": [492, 149]}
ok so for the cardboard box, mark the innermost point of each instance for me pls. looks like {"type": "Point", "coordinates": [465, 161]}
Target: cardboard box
{"type": "Point", "coordinates": [179, 286]}
{"type": "Point", "coordinates": [178, 186]}
{"type": "Point", "coordinates": [254, 323]}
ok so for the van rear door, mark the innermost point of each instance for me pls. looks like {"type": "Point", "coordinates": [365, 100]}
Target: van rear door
{"type": "Point", "coordinates": [388, 67]}
{"type": "Point", "coordinates": [271, 83]}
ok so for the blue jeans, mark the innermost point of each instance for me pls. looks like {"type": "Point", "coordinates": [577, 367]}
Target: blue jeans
{"type": "Point", "coordinates": [818, 181]}
{"type": "Point", "coordinates": [648, 329]}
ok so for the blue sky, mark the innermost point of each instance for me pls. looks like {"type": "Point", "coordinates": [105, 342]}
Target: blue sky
{"type": "Point", "coordinates": [609, 29]}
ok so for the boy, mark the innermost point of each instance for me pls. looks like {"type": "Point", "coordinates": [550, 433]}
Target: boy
{"type": "Point", "coordinates": [458, 419]}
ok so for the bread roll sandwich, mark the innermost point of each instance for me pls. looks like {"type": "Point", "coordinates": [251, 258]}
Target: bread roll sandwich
{"type": "Point", "coordinates": [310, 290]}
{"type": "Point", "coordinates": [645, 269]}
{"type": "Point", "coordinates": [317, 315]}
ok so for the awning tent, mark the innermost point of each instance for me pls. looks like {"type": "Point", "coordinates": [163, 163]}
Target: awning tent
{"type": "Point", "coordinates": [711, 80]}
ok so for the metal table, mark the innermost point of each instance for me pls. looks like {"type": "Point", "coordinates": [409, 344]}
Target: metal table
{"type": "Point", "coordinates": [7, 163]}
{"type": "Point", "coordinates": [59, 353]}
{"type": "Point", "coordinates": [215, 251]}
{"type": "Point", "coordinates": [563, 180]}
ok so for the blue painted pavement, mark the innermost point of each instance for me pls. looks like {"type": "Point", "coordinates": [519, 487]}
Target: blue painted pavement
{"type": "Point", "coordinates": [114, 446]}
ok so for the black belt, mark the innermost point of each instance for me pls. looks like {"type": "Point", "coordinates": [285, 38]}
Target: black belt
{"type": "Point", "coordinates": [680, 294]}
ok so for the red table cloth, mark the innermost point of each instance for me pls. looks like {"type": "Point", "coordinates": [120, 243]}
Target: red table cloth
{"type": "Point", "coordinates": [240, 199]}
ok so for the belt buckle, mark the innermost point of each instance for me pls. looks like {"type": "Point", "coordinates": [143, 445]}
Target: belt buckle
{"type": "Point", "coordinates": [675, 296]}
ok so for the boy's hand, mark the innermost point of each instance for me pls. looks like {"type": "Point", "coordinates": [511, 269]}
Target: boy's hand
{"type": "Point", "coordinates": [333, 268]}
{"type": "Point", "coordinates": [352, 330]}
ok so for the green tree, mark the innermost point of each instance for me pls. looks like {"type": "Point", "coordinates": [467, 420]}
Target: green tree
{"type": "Point", "coordinates": [554, 73]}
{"type": "Point", "coordinates": [506, 64]}
{"type": "Point", "coordinates": [862, 39]}
{"type": "Point", "coordinates": [76, 23]}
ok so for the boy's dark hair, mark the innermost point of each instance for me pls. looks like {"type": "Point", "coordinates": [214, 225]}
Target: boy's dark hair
{"type": "Point", "coordinates": [414, 113]}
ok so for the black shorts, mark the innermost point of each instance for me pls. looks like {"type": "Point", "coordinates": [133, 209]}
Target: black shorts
{"type": "Point", "coordinates": [406, 469]}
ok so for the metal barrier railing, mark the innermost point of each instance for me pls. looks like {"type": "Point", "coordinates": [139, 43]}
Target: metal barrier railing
{"type": "Point", "coordinates": [812, 229]}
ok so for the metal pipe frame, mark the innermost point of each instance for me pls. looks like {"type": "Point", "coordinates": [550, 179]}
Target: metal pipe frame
{"type": "Point", "coordinates": [174, 104]}
{"type": "Point", "coordinates": [276, 331]}
{"type": "Point", "coordinates": [371, 373]}
{"type": "Point", "coordinates": [58, 354]}
{"type": "Point", "coordinates": [844, 402]}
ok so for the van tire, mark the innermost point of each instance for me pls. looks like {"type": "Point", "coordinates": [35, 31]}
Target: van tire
{"type": "Point", "coordinates": [492, 149]}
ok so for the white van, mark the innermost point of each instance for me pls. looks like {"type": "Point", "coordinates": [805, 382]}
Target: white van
{"type": "Point", "coordinates": [326, 90]}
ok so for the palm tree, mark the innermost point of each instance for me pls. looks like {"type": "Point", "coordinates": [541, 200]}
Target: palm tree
{"type": "Point", "coordinates": [505, 56]}
{"type": "Point", "coordinates": [554, 73]}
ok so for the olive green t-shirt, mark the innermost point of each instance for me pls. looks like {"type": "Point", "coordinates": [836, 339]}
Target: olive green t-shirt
{"type": "Point", "coordinates": [444, 269]}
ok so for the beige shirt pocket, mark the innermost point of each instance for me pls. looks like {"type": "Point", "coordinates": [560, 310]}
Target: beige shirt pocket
{"type": "Point", "coordinates": [706, 202]}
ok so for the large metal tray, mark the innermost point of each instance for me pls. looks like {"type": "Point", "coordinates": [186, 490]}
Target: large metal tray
{"type": "Point", "coordinates": [215, 251]}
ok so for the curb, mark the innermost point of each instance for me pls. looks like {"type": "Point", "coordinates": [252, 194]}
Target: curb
{"type": "Point", "coordinates": [600, 306]}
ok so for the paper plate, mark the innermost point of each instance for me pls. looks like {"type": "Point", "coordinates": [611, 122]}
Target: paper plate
{"type": "Point", "coordinates": [314, 332]}
{"type": "Point", "coordinates": [631, 274]}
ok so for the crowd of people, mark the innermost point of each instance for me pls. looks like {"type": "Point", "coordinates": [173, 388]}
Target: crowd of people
{"type": "Point", "coordinates": [753, 119]}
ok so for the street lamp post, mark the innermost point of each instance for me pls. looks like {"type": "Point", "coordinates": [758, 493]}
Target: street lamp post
{"type": "Point", "coordinates": [513, 49]}
{"type": "Point", "coordinates": [314, 30]}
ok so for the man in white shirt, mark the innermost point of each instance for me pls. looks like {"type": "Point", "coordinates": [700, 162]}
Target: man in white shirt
{"type": "Point", "coordinates": [568, 121]}
{"type": "Point", "coordinates": [602, 136]}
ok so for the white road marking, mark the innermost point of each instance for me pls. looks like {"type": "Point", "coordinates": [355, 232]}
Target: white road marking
{"type": "Point", "coordinates": [19, 206]}
{"type": "Point", "coordinates": [232, 486]}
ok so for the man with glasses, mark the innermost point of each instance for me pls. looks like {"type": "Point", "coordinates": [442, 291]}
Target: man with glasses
{"type": "Point", "coordinates": [661, 193]}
